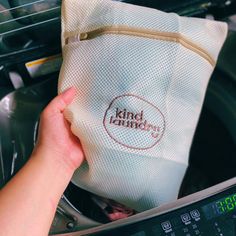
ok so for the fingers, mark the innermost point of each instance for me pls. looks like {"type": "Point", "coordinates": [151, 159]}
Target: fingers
{"type": "Point", "coordinates": [59, 103]}
{"type": "Point", "coordinates": [68, 95]}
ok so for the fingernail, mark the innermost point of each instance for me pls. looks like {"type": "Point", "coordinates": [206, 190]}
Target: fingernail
{"type": "Point", "coordinates": [69, 94]}
{"type": "Point", "coordinates": [69, 90]}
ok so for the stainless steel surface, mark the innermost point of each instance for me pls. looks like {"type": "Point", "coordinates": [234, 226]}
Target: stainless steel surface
{"type": "Point", "coordinates": [69, 219]}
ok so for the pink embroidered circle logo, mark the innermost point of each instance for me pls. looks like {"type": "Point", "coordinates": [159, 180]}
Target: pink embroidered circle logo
{"type": "Point", "coordinates": [134, 122]}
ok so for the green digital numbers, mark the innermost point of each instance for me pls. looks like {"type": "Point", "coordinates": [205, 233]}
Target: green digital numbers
{"type": "Point", "coordinates": [234, 199]}
{"type": "Point", "coordinates": [220, 207]}
{"type": "Point", "coordinates": [226, 205]}
{"type": "Point", "coordinates": [229, 204]}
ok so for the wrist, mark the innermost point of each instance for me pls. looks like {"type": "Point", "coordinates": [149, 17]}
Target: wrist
{"type": "Point", "coordinates": [55, 175]}
{"type": "Point", "coordinates": [54, 158]}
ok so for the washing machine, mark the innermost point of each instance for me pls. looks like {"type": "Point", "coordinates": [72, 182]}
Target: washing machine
{"type": "Point", "coordinates": [29, 67]}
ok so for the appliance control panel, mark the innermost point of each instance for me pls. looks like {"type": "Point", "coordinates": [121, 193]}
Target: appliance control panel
{"type": "Point", "coordinates": [210, 212]}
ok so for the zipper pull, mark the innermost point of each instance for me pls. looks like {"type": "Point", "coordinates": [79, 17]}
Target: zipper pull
{"type": "Point", "coordinates": [83, 36]}
{"type": "Point", "coordinates": [77, 38]}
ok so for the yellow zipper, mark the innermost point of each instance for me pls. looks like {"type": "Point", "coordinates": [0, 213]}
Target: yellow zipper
{"type": "Point", "coordinates": [145, 33]}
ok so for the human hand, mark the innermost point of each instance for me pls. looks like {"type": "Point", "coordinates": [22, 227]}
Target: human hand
{"type": "Point", "coordinates": [55, 136]}
{"type": "Point", "coordinates": [37, 188]}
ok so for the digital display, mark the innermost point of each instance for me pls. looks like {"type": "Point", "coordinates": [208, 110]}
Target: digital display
{"type": "Point", "coordinates": [221, 206]}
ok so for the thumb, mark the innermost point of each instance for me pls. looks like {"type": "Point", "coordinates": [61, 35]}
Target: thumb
{"type": "Point", "coordinates": [59, 103]}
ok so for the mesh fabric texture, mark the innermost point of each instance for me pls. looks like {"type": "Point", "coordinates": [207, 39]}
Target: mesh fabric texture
{"type": "Point", "coordinates": [138, 99]}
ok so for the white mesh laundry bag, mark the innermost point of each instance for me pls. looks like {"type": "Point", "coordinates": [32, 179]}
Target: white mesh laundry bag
{"type": "Point", "coordinates": [141, 76]}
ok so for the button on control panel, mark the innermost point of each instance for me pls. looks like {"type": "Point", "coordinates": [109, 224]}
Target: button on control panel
{"type": "Point", "coordinates": [186, 224]}
{"type": "Point", "coordinates": [166, 226]}
{"type": "Point", "coordinates": [186, 218]}
{"type": "Point", "coordinates": [195, 215]}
